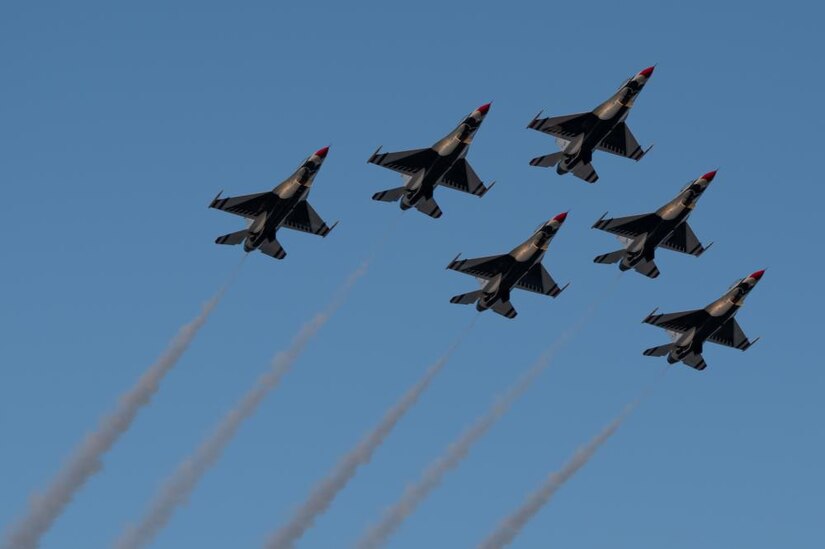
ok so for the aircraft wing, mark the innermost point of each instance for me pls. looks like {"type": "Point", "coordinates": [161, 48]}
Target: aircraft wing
{"type": "Point", "coordinates": [246, 206]}
{"type": "Point", "coordinates": [629, 227]}
{"type": "Point", "coordinates": [731, 335]}
{"type": "Point", "coordinates": [538, 280]}
{"type": "Point", "coordinates": [462, 177]}
{"type": "Point", "coordinates": [566, 127]}
{"type": "Point", "coordinates": [405, 162]}
{"type": "Point", "coordinates": [621, 142]}
{"type": "Point", "coordinates": [481, 267]}
{"type": "Point", "coordinates": [678, 322]}
{"type": "Point", "coordinates": [683, 240]}
{"type": "Point", "coordinates": [305, 218]}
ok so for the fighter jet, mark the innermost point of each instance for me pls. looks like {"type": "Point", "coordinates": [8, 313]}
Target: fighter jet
{"type": "Point", "coordinates": [442, 164]}
{"type": "Point", "coordinates": [521, 268]}
{"type": "Point", "coordinates": [603, 129]}
{"type": "Point", "coordinates": [284, 206]}
{"type": "Point", "coordinates": [666, 227]}
{"type": "Point", "coordinates": [714, 323]}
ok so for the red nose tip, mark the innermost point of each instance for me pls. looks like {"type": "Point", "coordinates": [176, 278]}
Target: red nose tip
{"type": "Point", "coordinates": [647, 72]}
{"type": "Point", "coordinates": [322, 152]}
{"type": "Point", "coordinates": [757, 275]}
{"type": "Point", "coordinates": [709, 176]}
{"type": "Point", "coordinates": [484, 108]}
{"type": "Point", "coordinates": [561, 217]}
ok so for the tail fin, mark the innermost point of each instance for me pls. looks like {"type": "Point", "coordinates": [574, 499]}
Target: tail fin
{"type": "Point", "coordinates": [612, 257]}
{"type": "Point", "coordinates": [647, 268]}
{"type": "Point", "coordinates": [661, 350]}
{"type": "Point", "coordinates": [466, 299]}
{"type": "Point", "coordinates": [548, 160]}
{"type": "Point", "coordinates": [505, 308]}
{"type": "Point", "coordinates": [390, 195]}
{"type": "Point", "coordinates": [428, 206]}
{"type": "Point", "coordinates": [232, 238]}
{"type": "Point", "coordinates": [273, 248]}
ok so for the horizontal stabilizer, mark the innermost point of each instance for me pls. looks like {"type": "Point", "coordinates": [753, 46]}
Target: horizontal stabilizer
{"type": "Point", "coordinates": [232, 238]}
{"type": "Point", "coordinates": [273, 248]}
{"type": "Point", "coordinates": [661, 350]}
{"type": "Point", "coordinates": [429, 207]}
{"type": "Point", "coordinates": [390, 195]}
{"type": "Point", "coordinates": [505, 309]}
{"type": "Point", "coordinates": [612, 257]}
{"type": "Point", "coordinates": [695, 360]}
{"type": "Point", "coordinates": [647, 268]}
{"type": "Point", "coordinates": [586, 172]}
{"type": "Point", "coordinates": [466, 299]}
{"type": "Point", "coordinates": [548, 160]}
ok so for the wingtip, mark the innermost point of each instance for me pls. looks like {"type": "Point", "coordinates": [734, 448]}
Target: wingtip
{"type": "Point", "coordinates": [372, 157]}
{"type": "Point", "coordinates": [599, 220]}
{"type": "Point", "coordinates": [217, 197]}
{"type": "Point", "coordinates": [535, 119]}
{"type": "Point", "coordinates": [490, 186]}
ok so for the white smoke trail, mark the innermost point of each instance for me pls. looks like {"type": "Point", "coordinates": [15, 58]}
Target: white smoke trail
{"type": "Point", "coordinates": [87, 458]}
{"type": "Point", "coordinates": [324, 493]}
{"type": "Point", "coordinates": [379, 534]}
{"type": "Point", "coordinates": [179, 486]}
{"type": "Point", "coordinates": [513, 524]}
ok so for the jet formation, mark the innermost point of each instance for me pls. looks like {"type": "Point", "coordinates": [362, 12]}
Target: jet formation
{"type": "Point", "coordinates": [445, 163]}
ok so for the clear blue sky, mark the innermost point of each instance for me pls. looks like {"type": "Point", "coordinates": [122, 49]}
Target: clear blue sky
{"type": "Point", "coordinates": [119, 124]}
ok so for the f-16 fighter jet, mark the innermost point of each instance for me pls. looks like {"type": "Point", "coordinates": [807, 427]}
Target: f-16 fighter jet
{"type": "Point", "coordinates": [714, 323]}
{"type": "Point", "coordinates": [521, 268]}
{"type": "Point", "coordinates": [442, 164]}
{"type": "Point", "coordinates": [666, 227]}
{"type": "Point", "coordinates": [284, 206]}
{"type": "Point", "coordinates": [602, 129]}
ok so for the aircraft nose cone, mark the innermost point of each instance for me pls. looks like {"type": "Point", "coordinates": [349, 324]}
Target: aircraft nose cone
{"type": "Point", "coordinates": [709, 176]}
{"type": "Point", "coordinates": [561, 217]}
{"type": "Point", "coordinates": [647, 72]}
{"type": "Point", "coordinates": [322, 152]}
{"type": "Point", "coordinates": [757, 275]}
{"type": "Point", "coordinates": [484, 108]}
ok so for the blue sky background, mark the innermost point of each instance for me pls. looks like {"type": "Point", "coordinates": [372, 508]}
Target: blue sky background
{"type": "Point", "coordinates": [118, 124]}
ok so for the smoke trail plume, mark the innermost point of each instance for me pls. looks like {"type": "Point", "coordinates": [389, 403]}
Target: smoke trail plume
{"type": "Point", "coordinates": [179, 486]}
{"type": "Point", "coordinates": [87, 458]}
{"type": "Point", "coordinates": [379, 534]}
{"type": "Point", "coordinates": [512, 525]}
{"type": "Point", "coordinates": [324, 493]}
